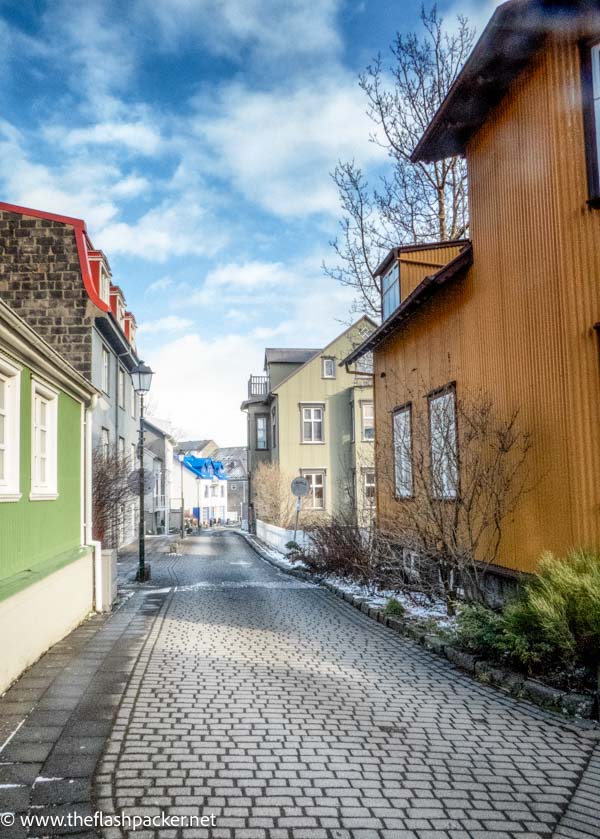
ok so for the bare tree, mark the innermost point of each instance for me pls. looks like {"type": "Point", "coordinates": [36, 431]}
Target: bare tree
{"type": "Point", "coordinates": [459, 474]}
{"type": "Point", "coordinates": [414, 202]}
{"type": "Point", "coordinates": [273, 501]}
{"type": "Point", "coordinates": [110, 494]}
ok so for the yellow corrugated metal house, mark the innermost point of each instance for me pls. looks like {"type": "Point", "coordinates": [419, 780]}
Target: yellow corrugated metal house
{"type": "Point", "coordinates": [514, 311]}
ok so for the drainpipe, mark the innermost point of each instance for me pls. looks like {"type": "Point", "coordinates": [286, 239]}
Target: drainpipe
{"type": "Point", "coordinates": [88, 507]}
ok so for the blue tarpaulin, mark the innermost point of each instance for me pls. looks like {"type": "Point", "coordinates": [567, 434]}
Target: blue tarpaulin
{"type": "Point", "coordinates": [205, 467]}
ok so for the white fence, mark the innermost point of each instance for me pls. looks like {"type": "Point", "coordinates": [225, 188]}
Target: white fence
{"type": "Point", "coordinates": [278, 537]}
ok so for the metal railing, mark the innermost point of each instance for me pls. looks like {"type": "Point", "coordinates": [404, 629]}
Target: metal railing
{"type": "Point", "coordinates": [258, 386]}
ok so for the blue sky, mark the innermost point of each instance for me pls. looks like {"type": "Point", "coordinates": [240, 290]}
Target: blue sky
{"type": "Point", "coordinates": [196, 138]}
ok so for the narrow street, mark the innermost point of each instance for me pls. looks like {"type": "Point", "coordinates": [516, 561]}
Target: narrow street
{"type": "Point", "coordinates": [264, 702]}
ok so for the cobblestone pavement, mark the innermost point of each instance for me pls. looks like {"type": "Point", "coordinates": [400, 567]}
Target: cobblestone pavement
{"type": "Point", "coordinates": [264, 702]}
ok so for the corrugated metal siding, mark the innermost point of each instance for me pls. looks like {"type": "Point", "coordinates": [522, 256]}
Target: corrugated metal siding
{"type": "Point", "coordinates": [418, 264]}
{"type": "Point", "coordinates": [520, 325]}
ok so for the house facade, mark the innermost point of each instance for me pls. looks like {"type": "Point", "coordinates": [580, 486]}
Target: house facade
{"type": "Point", "coordinates": [53, 277]}
{"type": "Point", "coordinates": [158, 462]}
{"type": "Point", "coordinates": [235, 467]}
{"type": "Point", "coordinates": [513, 314]}
{"type": "Point", "coordinates": [311, 417]}
{"type": "Point", "coordinates": [47, 560]}
{"type": "Point", "coordinates": [199, 489]}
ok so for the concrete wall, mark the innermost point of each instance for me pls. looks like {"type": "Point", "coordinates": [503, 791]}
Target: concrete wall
{"type": "Point", "coordinates": [40, 615]}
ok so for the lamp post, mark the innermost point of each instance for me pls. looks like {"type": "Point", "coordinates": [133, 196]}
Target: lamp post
{"type": "Point", "coordinates": [142, 379]}
{"type": "Point", "coordinates": [198, 493]}
{"type": "Point", "coordinates": [181, 457]}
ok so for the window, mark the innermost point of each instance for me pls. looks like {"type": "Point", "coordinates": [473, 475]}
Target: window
{"type": "Point", "coordinates": [367, 420]}
{"type": "Point", "coordinates": [133, 396]}
{"type": "Point", "coordinates": [328, 368]}
{"type": "Point", "coordinates": [444, 445]}
{"type": "Point", "coordinates": [312, 424]}
{"type": "Point", "coordinates": [390, 290]}
{"type": "Point", "coordinates": [122, 448]}
{"type": "Point", "coordinates": [10, 426]}
{"type": "Point", "coordinates": [315, 500]}
{"type": "Point", "coordinates": [105, 369]}
{"type": "Point", "coordinates": [261, 433]}
{"type": "Point", "coordinates": [369, 485]}
{"type": "Point", "coordinates": [274, 427]}
{"type": "Point", "coordinates": [44, 443]}
{"type": "Point", "coordinates": [105, 442]}
{"type": "Point", "coordinates": [591, 91]}
{"type": "Point", "coordinates": [104, 284]}
{"type": "Point", "coordinates": [402, 433]}
{"type": "Point", "coordinates": [222, 491]}
{"type": "Point", "coordinates": [133, 455]}
{"type": "Point", "coordinates": [352, 422]}
{"type": "Point", "coordinates": [121, 388]}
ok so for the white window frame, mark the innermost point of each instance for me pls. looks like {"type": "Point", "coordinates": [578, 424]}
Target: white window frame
{"type": "Point", "coordinates": [105, 369]}
{"type": "Point", "coordinates": [328, 361]}
{"type": "Point", "coordinates": [104, 284]}
{"type": "Point", "coordinates": [402, 445]}
{"type": "Point", "coordinates": [308, 415]}
{"type": "Point", "coordinates": [363, 406]}
{"type": "Point", "coordinates": [10, 482]}
{"type": "Point", "coordinates": [44, 489]}
{"type": "Point", "coordinates": [121, 387]}
{"type": "Point", "coordinates": [390, 290]}
{"type": "Point", "coordinates": [105, 441]}
{"type": "Point", "coordinates": [368, 476]}
{"type": "Point", "coordinates": [443, 444]}
{"type": "Point", "coordinates": [310, 499]}
{"type": "Point", "coordinates": [264, 418]}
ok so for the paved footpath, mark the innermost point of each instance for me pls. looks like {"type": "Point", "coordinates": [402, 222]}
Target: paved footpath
{"type": "Point", "coordinates": [265, 704]}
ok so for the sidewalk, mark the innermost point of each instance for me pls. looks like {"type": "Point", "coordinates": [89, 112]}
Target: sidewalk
{"type": "Point", "coordinates": [55, 720]}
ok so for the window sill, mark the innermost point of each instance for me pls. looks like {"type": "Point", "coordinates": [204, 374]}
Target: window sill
{"type": "Point", "coordinates": [43, 496]}
{"type": "Point", "coordinates": [312, 442]}
{"type": "Point", "coordinates": [10, 496]}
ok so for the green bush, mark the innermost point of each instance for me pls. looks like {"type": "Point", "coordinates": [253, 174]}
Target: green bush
{"type": "Point", "coordinates": [394, 609]}
{"type": "Point", "coordinates": [554, 625]}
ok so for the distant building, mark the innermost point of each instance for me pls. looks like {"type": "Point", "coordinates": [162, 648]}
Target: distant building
{"type": "Point", "coordinates": [158, 461]}
{"type": "Point", "coordinates": [199, 491]}
{"type": "Point", "coordinates": [235, 466]}
{"type": "Point", "coordinates": [311, 417]}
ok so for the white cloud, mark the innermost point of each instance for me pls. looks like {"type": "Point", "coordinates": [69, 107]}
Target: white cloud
{"type": "Point", "coordinates": [160, 284]}
{"type": "Point", "coordinates": [170, 323]}
{"type": "Point", "coordinates": [477, 11]}
{"type": "Point", "coordinates": [175, 227]}
{"type": "Point", "coordinates": [278, 148]}
{"type": "Point", "coordinates": [134, 136]}
{"type": "Point", "coordinates": [249, 275]}
{"type": "Point", "coordinates": [268, 29]}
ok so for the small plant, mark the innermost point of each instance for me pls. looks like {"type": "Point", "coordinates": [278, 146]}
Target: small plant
{"type": "Point", "coordinates": [552, 628]}
{"type": "Point", "coordinates": [394, 609]}
{"type": "Point", "coordinates": [294, 551]}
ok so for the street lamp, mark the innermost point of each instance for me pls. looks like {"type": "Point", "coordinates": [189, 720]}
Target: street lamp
{"type": "Point", "coordinates": [181, 457]}
{"type": "Point", "coordinates": [198, 493]}
{"type": "Point", "coordinates": [142, 379]}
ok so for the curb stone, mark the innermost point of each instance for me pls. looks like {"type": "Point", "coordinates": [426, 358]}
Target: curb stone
{"type": "Point", "coordinates": [580, 706]}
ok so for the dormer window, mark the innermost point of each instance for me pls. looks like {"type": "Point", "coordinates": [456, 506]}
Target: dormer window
{"type": "Point", "coordinates": [390, 290]}
{"type": "Point", "coordinates": [591, 93]}
{"type": "Point", "coordinates": [104, 289]}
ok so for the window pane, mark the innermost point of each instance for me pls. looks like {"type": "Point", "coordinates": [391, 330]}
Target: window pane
{"type": "Point", "coordinates": [367, 420]}
{"type": "Point", "coordinates": [403, 453]}
{"type": "Point", "coordinates": [444, 453]}
{"type": "Point", "coordinates": [318, 431]}
{"type": "Point", "coordinates": [308, 431]}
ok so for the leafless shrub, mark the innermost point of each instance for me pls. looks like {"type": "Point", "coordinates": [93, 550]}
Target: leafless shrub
{"type": "Point", "coordinates": [468, 476]}
{"type": "Point", "coordinates": [110, 493]}
{"type": "Point", "coordinates": [273, 501]}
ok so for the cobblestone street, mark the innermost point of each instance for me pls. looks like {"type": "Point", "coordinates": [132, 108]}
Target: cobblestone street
{"type": "Point", "coordinates": [264, 701]}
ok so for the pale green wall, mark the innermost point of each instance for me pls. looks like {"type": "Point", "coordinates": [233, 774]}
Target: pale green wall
{"type": "Point", "coordinates": [338, 455]}
{"type": "Point", "coordinates": [33, 533]}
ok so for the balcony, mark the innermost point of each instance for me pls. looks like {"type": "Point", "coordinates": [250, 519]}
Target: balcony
{"type": "Point", "coordinates": [258, 386]}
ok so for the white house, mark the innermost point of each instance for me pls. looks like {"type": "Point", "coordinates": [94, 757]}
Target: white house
{"type": "Point", "coordinates": [199, 488]}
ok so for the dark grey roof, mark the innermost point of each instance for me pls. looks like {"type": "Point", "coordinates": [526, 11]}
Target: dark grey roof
{"type": "Point", "coordinates": [280, 355]}
{"type": "Point", "coordinates": [234, 460]}
{"type": "Point", "coordinates": [194, 445]}
{"type": "Point", "coordinates": [516, 31]}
